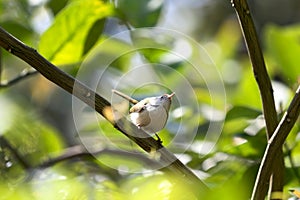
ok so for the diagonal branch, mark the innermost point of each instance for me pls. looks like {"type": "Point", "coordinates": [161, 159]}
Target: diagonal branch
{"type": "Point", "coordinates": [101, 105]}
{"type": "Point", "coordinates": [266, 91]}
{"type": "Point", "coordinates": [276, 141]}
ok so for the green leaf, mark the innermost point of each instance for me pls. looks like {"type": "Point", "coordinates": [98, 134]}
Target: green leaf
{"type": "Point", "coordinates": [158, 187]}
{"type": "Point", "coordinates": [34, 139]}
{"type": "Point", "coordinates": [242, 112]}
{"type": "Point", "coordinates": [232, 188]}
{"type": "Point", "coordinates": [64, 42]}
{"type": "Point", "coordinates": [93, 35]}
{"type": "Point", "coordinates": [114, 53]}
{"type": "Point", "coordinates": [62, 186]}
{"type": "Point", "coordinates": [141, 13]}
{"type": "Point", "coordinates": [247, 92]}
{"type": "Point", "coordinates": [56, 5]}
{"type": "Point", "coordinates": [7, 113]}
{"type": "Point", "coordinates": [16, 192]}
{"type": "Point", "coordinates": [284, 46]}
{"type": "Point", "coordinates": [20, 31]}
{"type": "Point", "coordinates": [30, 136]}
{"type": "Point", "coordinates": [252, 148]}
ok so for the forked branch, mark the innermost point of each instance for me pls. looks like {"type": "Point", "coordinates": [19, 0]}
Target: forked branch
{"type": "Point", "coordinates": [266, 93]}
{"type": "Point", "coordinates": [276, 141]}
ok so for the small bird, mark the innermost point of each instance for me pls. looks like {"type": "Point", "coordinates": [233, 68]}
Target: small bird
{"type": "Point", "coordinates": [150, 114]}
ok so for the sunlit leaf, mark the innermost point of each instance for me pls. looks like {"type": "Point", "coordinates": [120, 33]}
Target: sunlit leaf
{"type": "Point", "coordinates": [78, 180]}
{"type": "Point", "coordinates": [224, 46]}
{"type": "Point", "coordinates": [31, 137]}
{"type": "Point", "coordinates": [109, 190]}
{"type": "Point", "coordinates": [159, 187]}
{"type": "Point", "coordinates": [283, 45]}
{"type": "Point", "coordinates": [8, 109]}
{"type": "Point", "coordinates": [232, 188]}
{"type": "Point", "coordinates": [252, 147]}
{"type": "Point", "coordinates": [16, 192]}
{"type": "Point", "coordinates": [293, 137]}
{"type": "Point", "coordinates": [63, 185]}
{"type": "Point", "coordinates": [247, 93]}
{"type": "Point", "coordinates": [64, 42]}
{"type": "Point", "coordinates": [229, 44]}
{"type": "Point", "coordinates": [294, 148]}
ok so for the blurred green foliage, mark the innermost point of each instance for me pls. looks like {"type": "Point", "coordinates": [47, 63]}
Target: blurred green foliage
{"type": "Point", "coordinates": [283, 46]}
{"type": "Point", "coordinates": [140, 13]}
{"type": "Point", "coordinates": [35, 117]}
{"type": "Point", "coordinates": [73, 33]}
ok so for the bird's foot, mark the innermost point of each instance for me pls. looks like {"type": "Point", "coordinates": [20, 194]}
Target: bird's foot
{"type": "Point", "coordinates": [159, 141]}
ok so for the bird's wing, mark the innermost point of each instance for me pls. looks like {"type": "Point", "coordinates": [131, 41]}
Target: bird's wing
{"type": "Point", "coordinates": [140, 106]}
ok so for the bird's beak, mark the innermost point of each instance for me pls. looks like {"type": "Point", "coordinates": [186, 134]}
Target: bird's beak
{"type": "Point", "coordinates": [171, 95]}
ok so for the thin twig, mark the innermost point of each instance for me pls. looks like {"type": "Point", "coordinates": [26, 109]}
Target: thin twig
{"type": "Point", "coordinates": [26, 73]}
{"type": "Point", "coordinates": [266, 93]}
{"type": "Point", "coordinates": [15, 152]}
{"type": "Point", "coordinates": [101, 105]}
{"type": "Point", "coordinates": [276, 141]}
{"type": "Point", "coordinates": [128, 98]}
{"type": "Point", "coordinates": [23, 75]}
{"type": "Point", "coordinates": [79, 151]}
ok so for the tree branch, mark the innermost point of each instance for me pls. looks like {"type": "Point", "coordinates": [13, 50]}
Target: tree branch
{"type": "Point", "coordinates": [275, 143]}
{"type": "Point", "coordinates": [266, 91]}
{"type": "Point", "coordinates": [24, 74]}
{"type": "Point", "coordinates": [79, 151]}
{"type": "Point", "coordinates": [16, 154]}
{"type": "Point", "coordinates": [258, 64]}
{"type": "Point", "coordinates": [101, 105]}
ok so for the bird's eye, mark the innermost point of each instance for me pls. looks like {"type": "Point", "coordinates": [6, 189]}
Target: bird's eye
{"type": "Point", "coordinates": [162, 97]}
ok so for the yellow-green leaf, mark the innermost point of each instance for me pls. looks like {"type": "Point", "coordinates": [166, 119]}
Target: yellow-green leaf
{"type": "Point", "coordinates": [284, 47]}
{"type": "Point", "coordinates": [63, 43]}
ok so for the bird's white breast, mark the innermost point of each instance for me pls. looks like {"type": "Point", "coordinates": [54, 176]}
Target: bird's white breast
{"type": "Point", "coordinates": [156, 119]}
